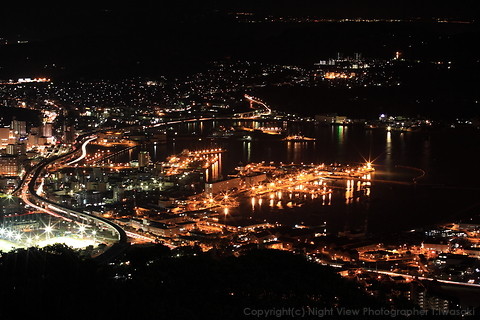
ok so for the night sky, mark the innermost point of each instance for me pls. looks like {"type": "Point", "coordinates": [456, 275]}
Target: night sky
{"type": "Point", "coordinates": [153, 38]}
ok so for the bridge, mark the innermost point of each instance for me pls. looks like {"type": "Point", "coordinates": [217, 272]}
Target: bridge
{"type": "Point", "coordinates": [264, 110]}
{"type": "Point", "coordinates": [113, 155]}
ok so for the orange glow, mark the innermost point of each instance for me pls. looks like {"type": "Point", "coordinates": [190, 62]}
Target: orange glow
{"type": "Point", "coordinates": [339, 75]}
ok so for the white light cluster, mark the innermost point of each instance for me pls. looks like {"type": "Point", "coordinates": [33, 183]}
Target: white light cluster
{"type": "Point", "coordinates": [10, 234]}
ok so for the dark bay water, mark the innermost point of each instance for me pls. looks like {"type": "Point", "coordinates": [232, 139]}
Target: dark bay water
{"type": "Point", "coordinates": [448, 189]}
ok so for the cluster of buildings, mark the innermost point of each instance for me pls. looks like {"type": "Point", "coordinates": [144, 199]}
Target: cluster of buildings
{"type": "Point", "coordinates": [214, 92]}
{"type": "Point", "coordinates": [169, 200]}
{"type": "Point", "coordinates": [452, 251]}
{"type": "Point", "coordinates": [402, 273]}
{"type": "Point", "coordinates": [404, 291]}
{"type": "Point", "coordinates": [16, 139]}
{"type": "Point", "coordinates": [400, 123]}
{"type": "Point", "coordinates": [388, 122]}
{"type": "Point", "coordinates": [20, 144]}
{"type": "Point", "coordinates": [357, 71]}
{"type": "Point", "coordinates": [177, 201]}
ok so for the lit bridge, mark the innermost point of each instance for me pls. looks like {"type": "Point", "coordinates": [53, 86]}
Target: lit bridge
{"type": "Point", "coordinates": [264, 110]}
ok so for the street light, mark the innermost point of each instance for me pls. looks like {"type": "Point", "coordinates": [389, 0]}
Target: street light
{"type": "Point", "coordinates": [81, 229]}
{"type": "Point", "coordinates": [48, 230]}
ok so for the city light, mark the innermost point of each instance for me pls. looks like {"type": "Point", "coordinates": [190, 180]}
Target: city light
{"type": "Point", "coordinates": [221, 154]}
{"type": "Point", "coordinates": [48, 229]}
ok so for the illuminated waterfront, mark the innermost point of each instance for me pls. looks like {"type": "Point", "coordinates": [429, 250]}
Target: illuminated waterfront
{"type": "Point", "coordinates": [228, 160]}
{"type": "Point", "coordinates": [397, 157]}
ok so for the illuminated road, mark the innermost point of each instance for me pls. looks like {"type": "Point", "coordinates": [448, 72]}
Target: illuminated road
{"type": "Point", "coordinates": [30, 197]}
{"type": "Point", "coordinates": [24, 197]}
{"type": "Point", "coordinates": [84, 151]}
{"type": "Point", "coordinates": [394, 274]}
{"type": "Point", "coordinates": [255, 100]}
{"type": "Point", "coordinates": [109, 156]}
{"type": "Point", "coordinates": [423, 278]}
{"type": "Point", "coordinates": [147, 239]}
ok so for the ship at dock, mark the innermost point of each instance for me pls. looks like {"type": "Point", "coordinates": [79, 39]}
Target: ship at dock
{"type": "Point", "coordinates": [295, 138]}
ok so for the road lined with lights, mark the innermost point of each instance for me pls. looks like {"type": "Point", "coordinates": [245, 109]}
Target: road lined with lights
{"type": "Point", "coordinates": [255, 100]}
{"type": "Point", "coordinates": [84, 151]}
{"type": "Point", "coordinates": [394, 274]}
{"type": "Point", "coordinates": [31, 193]}
{"type": "Point", "coordinates": [30, 196]}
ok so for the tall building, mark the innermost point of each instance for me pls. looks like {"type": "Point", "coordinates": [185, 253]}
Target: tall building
{"type": "Point", "coordinates": [118, 193]}
{"type": "Point", "coordinates": [143, 159]}
{"type": "Point", "coordinates": [10, 150]}
{"type": "Point", "coordinates": [32, 140]}
{"type": "Point", "coordinates": [21, 148]}
{"type": "Point", "coordinates": [4, 136]}
{"type": "Point", "coordinates": [9, 165]}
{"type": "Point", "coordinates": [69, 134]}
{"type": "Point", "coordinates": [35, 130]}
{"type": "Point", "coordinates": [16, 149]}
{"type": "Point", "coordinates": [9, 206]}
{"type": "Point", "coordinates": [47, 130]}
{"type": "Point", "coordinates": [19, 127]}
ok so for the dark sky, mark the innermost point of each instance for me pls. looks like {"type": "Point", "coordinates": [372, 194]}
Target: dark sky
{"type": "Point", "coordinates": [159, 36]}
{"type": "Point", "coordinates": [43, 20]}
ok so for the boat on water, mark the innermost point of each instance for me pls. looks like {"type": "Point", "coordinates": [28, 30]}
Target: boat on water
{"type": "Point", "coordinates": [265, 130]}
{"type": "Point", "coordinates": [270, 130]}
{"type": "Point", "coordinates": [298, 138]}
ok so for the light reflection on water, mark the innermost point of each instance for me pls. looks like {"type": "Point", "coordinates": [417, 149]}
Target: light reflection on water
{"type": "Point", "coordinates": [302, 207]}
{"type": "Point", "coordinates": [385, 207]}
{"type": "Point", "coordinates": [388, 149]}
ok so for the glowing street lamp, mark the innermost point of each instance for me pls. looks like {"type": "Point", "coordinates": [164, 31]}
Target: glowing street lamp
{"type": "Point", "coordinates": [48, 230]}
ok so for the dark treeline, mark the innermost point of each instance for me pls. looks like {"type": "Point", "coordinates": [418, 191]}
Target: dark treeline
{"type": "Point", "coordinates": [156, 282]}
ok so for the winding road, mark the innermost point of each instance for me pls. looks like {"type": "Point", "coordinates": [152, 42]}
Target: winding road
{"type": "Point", "coordinates": [28, 193]}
